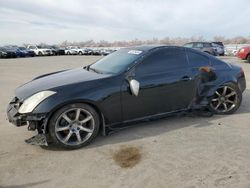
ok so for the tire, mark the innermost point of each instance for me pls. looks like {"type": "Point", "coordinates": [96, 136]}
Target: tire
{"type": "Point", "coordinates": [65, 126]}
{"type": "Point", "coordinates": [40, 53]}
{"type": "Point", "coordinates": [226, 100]}
{"type": "Point", "coordinates": [80, 53]}
{"type": "Point", "coordinates": [248, 58]}
{"type": "Point", "coordinates": [68, 53]}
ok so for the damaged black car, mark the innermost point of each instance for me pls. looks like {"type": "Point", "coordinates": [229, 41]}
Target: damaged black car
{"type": "Point", "coordinates": [69, 108]}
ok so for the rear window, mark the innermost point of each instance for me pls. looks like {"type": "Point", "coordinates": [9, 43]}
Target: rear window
{"type": "Point", "coordinates": [197, 60]}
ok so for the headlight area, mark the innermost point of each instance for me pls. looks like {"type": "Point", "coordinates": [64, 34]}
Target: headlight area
{"type": "Point", "coordinates": [20, 113]}
{"type": "Point", "coordinates": [30, 103]}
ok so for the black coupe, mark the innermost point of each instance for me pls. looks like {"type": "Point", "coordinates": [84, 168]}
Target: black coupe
{"type": "Point", "coordinates": [70, 107]}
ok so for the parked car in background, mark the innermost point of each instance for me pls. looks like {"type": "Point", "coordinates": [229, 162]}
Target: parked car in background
{"type": "Point", "coordinates": [96, 51]}
{"type": "Point", "coordinates": [206, 47]}
{"type": "Point", "coordinates": [235, 52]}
{"type": "Point", "coordinates": [15, 49]}
{"type": "Point", "coordinates": [73, 50]}
{"type": "Point", "coordinates": [39, 50]}
{"type": "Point", "coordinates": [7, 53]}
{"type": "Point", "coordinates": [244, 53]}
{"type": "Point", "coordinates": [55, 50]}
{"type": "Point", "coordinates": [58, 51]}
{"type": "Point", "coordinates": [27, 52]}
{"type": "Point", "coordinates": [219, 48]}
{"type": "Point", "coordinates": [88, 51]}
{"type": "Point", "coordinates": [70, 51]}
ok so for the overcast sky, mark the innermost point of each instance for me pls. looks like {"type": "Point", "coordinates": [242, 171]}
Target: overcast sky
{"type": "Point", "coordinates": [53, 21]}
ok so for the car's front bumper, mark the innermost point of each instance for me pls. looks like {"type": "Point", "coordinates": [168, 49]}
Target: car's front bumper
{"type": "Point", "coordinates": [14, 117]}
{"type": "Point", "coordinates": [31, 119]}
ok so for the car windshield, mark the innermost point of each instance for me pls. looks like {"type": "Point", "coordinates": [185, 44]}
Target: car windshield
{"type": "Point", "coordinates": [22, 48]}
{"type": "Point", "coordinates": [116, 62]}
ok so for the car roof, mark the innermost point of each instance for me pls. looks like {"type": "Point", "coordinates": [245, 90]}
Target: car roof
{"type": "Point", "coordinates": [146, 48]}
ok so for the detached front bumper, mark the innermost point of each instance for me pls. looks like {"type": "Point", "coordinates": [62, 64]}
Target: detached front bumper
{"type": "Point", "coordinates": [35, 121]}
{"type": "Point", "coordinates": [13, 116]}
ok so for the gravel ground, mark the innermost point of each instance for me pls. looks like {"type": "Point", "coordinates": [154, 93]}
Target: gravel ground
{"type": "Point", "coordinates": [175, 152]}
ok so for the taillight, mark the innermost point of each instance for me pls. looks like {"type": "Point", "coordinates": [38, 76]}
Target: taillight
{"type": "Point", "coordinates": [242, 50]}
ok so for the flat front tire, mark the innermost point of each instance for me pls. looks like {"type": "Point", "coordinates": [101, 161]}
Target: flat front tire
{"type": "Point", "coordinates": [226, 99]}
{"type": "Point", "coordinates": [74, 126]}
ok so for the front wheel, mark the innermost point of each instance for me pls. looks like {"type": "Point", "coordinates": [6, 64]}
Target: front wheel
{"type": "Point", "coordinates": [226, 99]}
{"type": "Point", "coordinates": [74, 126]}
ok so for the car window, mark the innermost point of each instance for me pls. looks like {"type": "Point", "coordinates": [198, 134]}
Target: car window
{"type": "Point", "coordinates": [207, 45]}
{"type": "Point", "coordinates": [198, 45]}
{"type": "Point", "coordinates": [189, 45]}
{"type": "Point", "coordinates": [197, 60]}
{"type": "Point", "coordinates": [162, 60]}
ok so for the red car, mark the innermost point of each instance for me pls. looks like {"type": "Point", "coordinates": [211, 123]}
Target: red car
{"type": "Point", "coordinates": [244, 53]}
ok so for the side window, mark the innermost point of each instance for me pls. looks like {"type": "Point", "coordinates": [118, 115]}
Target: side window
{"type": "Point", "coordinates": [162, 60]}
{"type": "Point", "coordinates": [198, 45]}
{"type": "Point", "coordinates": [207, 45]}
{"type": "Point", "coordinates": [197, 60]}
{"type": "Point", "coordinates": [188, 45]}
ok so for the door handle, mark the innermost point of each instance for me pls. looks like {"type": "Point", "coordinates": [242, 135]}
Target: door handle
{"type": "Point", "coordinates": [186, 78]}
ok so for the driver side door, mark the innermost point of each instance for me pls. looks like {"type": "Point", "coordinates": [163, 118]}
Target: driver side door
{"type": "Point", "coordinates": [165, 84]}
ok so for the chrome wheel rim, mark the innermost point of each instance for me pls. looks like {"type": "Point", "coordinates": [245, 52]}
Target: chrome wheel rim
{"type": "Point", "coordinates": [74, 126]}
{"type": "Point", "coordinates": [224, 99]}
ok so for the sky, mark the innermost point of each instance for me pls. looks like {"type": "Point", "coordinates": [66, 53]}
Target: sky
{"type": "Point", "coordinates": [54, 21]}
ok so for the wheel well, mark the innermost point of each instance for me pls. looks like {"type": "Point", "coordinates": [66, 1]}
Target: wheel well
{"type": "Point", "coordinates": [248, 56]}
{"type": "Point", "coordinates": [101, 116]}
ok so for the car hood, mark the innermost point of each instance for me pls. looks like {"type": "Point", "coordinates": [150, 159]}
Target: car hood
{"type": "Point", "coordinates": [57, 79]}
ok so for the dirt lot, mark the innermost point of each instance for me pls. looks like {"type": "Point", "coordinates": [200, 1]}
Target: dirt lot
{"type": "Point", "coordinates": [175, 152]}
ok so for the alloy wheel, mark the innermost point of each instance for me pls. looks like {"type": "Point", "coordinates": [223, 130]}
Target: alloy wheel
{"type": "Point", "coordinates": [224, 99]}
{"type": "Point", "coordinates": [74, 126]}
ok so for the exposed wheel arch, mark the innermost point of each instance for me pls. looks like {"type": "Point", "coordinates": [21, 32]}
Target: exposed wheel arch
{"type": "Point", "coordinates": [248, 58]}
{"type": "Point", "coordinates": [40, 53]}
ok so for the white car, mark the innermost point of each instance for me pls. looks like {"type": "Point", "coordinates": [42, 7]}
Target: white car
{"type": "Point", "coordinates": [73, 50]}
{"type": "Point", "coordinates": [39, 50]}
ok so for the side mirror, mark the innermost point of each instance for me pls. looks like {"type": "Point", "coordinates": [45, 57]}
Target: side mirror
{"type": "Point", "coordinates": [134, 87]}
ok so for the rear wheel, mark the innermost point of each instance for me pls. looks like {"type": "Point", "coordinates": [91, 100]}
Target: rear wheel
{"type": "Point", "coordinates": [68, 53]}
{"type": "Point", "coordinates": [226, 99]}
{"type": "Point", "coordinates": [74, 126]}
{"type": "Point", "coordinates": [40, 53]}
